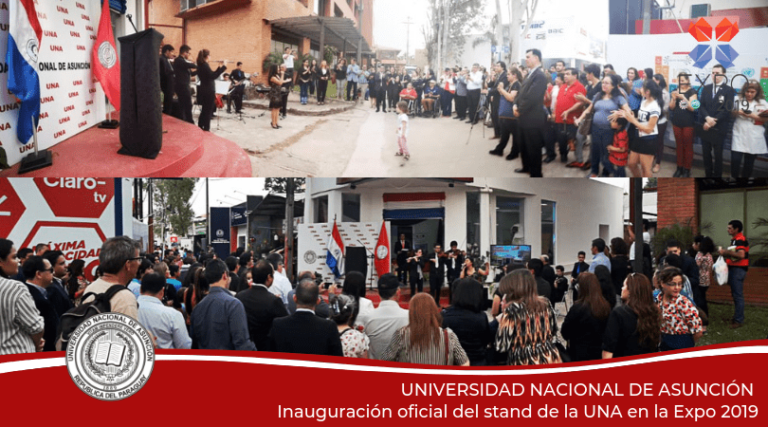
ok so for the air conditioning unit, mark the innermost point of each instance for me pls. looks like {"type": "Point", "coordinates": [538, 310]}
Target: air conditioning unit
{"type": "Point", "coordinates": [701, 10]}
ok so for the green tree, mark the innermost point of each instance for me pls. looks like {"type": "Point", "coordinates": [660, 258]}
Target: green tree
{"type": "Point", "coordinates": [171, 205]}
{"type": "Point", "coordinates": [450, 21]}
{"type": "Point", "coordinates": [278, 185]}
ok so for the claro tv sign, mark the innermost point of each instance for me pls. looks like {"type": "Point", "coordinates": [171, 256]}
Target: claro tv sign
{"type": "Point", "coordinates": [72, 215]}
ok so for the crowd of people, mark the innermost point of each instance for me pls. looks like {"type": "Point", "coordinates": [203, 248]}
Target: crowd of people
{"type": "Point", "coordinates": [244, 303]}
{"type": "Point", "coordinates": [623, 120]}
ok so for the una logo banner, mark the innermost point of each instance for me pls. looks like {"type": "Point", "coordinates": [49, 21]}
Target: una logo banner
{"type": "Point", "coordinates": [725, 30]}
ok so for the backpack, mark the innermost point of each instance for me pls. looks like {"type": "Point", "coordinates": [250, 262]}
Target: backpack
{"type": "Point", "coordinates": [75, 316]}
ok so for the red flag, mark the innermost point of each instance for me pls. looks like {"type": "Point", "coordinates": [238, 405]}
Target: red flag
{"type": "Point", "coordinates": [106, 67]}
{"type": "Point", "coordinates": [382, 252]}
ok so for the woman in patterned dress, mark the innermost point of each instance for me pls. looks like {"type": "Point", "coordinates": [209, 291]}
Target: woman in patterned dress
{"type": "Point", "coordinates": [343, 312]}
{"type": "Point", "coordinates": [704, 247]}
{"type": "Point", "coordinates": [423, 340]}
{"type": "Point", "coordinates": [680, 322]}
{"type": "Point", "coordinates": [527, 325]}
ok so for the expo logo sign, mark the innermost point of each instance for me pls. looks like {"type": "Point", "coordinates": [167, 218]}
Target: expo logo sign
{"type": "Point", "coordinates": [724, 31]}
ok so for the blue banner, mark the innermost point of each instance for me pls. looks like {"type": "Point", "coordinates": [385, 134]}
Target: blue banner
{"type": "Point", "coordinates": [220, 220]}
{"type": "Point", "coordinates": [238, 216]}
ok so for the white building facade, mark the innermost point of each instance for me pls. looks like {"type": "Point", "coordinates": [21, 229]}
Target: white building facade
{"type": "Point", "coordinates": [559, 217]}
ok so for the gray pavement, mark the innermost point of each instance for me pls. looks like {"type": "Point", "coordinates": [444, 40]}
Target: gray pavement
{"type": "Point", "coordinates": [352, 140]}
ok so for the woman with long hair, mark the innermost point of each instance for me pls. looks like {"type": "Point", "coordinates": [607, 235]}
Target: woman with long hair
{"type": "Point", "coordinates": [606, 284]}
{"type": "Point", "coordinates": [323, 74]}
{"type": "Point", "coordinates": [313, 69]}
{"type": "Point", "coordinates": [704, 247]}
{"type": "Point", "coordinates": [341, 78]}
{"type": "Point", "coordinates": [662, 82]}
{"type": "Point", "coordinates": [206, 92]}
{"type": "Point", "coordinates": [681, 325]}
{"type": "Point", "coordinates": [467, 319]}
{"type": "Point", "coordinates": [585, 322]}
{"type": "Point", "coordinates": [605, 102]}
{"type": "Point", "coordinates": [635, 326]}
{"type": "Point", "coordinates": [507, 120]}
{"type": "Point", "coordinates": [423, 340]}
{"type": "Point", "coordinates": [276, 80]}
{"type": "Point", "coordinates": [195, 292]}
{"type": "Point", "coordinates": [77, 283]}
{"type": "Point", "coordinates": [748, 134]}
{"type": "Point", "coordinates": [527, 325]}
{"type": "Point", "coordinates": [683, 116]}
{"type": "Point", "coordinates": [354, 286]}
{"type": "Point", "coordinates": [643, 148]}
{"type": "Point", "coordinates": [343, 309]}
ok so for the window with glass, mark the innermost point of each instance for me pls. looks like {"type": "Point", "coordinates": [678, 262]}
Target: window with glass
{"type": "Point", "coordinates": [548, 237]}
{"type": "Point", "coordinates": [321, 209]}
{"type": "Point", "coordinates": [509, 220]}
{"type": "Point", "coordinates": [350, 207]}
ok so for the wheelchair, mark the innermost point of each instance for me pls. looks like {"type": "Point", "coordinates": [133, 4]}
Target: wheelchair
{"type": "Point", "coordinates": [436, 110]}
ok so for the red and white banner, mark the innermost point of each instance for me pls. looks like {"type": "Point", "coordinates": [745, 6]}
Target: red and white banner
{"type": "Point", "coordinates": [71, 100]}
{"type": "Point", "coordinates": [72, 215]}
{"type": "Point", "coordinates": [313, 244]}
{"type": "Point", "coordinates": [710, 386]}
{"type": "Point", "coordinates": [383, 259]}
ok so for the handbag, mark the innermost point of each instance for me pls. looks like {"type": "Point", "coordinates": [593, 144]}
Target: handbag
{"type": "Point", "coordinates": [585, 127]}
{"type": "Point", "coordinates": [721, 271]}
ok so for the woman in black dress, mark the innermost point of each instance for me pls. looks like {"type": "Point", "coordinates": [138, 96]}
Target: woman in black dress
{"type": "Point", "coordinates": [207, 90]}
{"type": "Point", "coordinates": [585, 323]}
{"type": "Point", "coordinates": [276, 82]}
{"type": "Point", "coordinates": [468, 321]}
{"type": "Point", "coordinates": [323, 75]}
{"type": "Point", "coordinates": [634, 327]}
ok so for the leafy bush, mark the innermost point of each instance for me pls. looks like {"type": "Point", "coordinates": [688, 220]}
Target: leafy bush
{"type": "Point", "coordinates": [680, 232]}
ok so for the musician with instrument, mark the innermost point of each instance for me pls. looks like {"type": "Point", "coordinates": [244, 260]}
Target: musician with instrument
{"type": "Point", "coordinates": [207, 91]}
{"type": "Point", "coordinates": [236, 89]}
{"type": "Point", "coordinates": [184, 70]}
{"type": "Point", "coordinates": [416, 271]}
{"type": "Point", "coordinates": [454, 262]}
{"type": "Point", "coordinates": [437, 263]}
{"type": "Point", "coordinates": [167, 77]}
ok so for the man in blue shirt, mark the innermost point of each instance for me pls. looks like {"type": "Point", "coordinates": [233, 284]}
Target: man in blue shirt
{"type": "Point", "coordinates": [165, 323]}
{"type": "Point", "coordinates": [353, 73]}
{"type": "Point", "coordinates": [599, 258]}
{"type": "Point", "coordinates": [219, 321]}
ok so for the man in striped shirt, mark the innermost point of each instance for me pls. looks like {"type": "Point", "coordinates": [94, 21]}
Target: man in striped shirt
{"type": "Point", "coordinates": [21, 326]}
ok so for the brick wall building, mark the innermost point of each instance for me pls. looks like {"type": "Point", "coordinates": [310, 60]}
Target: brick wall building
{"type": "Point", "coordinates": [678, 202]}
{"type": "Point", "coordinates": [239, 30]}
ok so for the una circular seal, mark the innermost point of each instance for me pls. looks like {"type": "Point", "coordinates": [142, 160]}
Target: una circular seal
{"type": "Point", "coordinates": [32, 48]}
{"type": "Point", "coordinates": [110, 356]}
{"type": "Point", "coordinates": [310, 257]}
{"type": "Point", "coordinates": [382, 252]}
{"type": "Point", "coordinates": [107, 55]}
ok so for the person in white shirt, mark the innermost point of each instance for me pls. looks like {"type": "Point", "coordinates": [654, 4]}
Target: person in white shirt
{"type": "Point", "coordinates": [474, 85]}
{"type": "Point", "coordinates": [288, 57]}
{"type": "Point", "coordinates": [643, 148]}
{"type": "Point", "coordinates": [387, 318]}
{"type": "Point", "coordinates": [163, 322]}
{"type": "Point", "coordinates": [748, 133]}
{"type": "Point", "coordinates": [281, 285]}
{"type": "Point", "coordinates": [402, 130]}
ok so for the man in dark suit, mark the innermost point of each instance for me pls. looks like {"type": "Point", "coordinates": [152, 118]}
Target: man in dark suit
{"type": "Point", "coordinates": [183, 70]}
{"type": "Point", "coordinates": [714, 117]}
{"type": "Point", "coordinates": [261, 307]}
{"type": "Point", "coordinates": [303, 332]}
{"type": "Point", "coordinates": [402, 247]}
{"type": "Point", "coordinates": [529, 109]}
{"type": "Point", "coordinates": [39, 274]}
{"type": "Point", "coordinates": [437, 264]}
{"type": "Point", "coordinates": [493, 92]}
{"type": "Point", "coordinates": [167, 81]}
{"type": "Point", "coordinates": [57, 295]}
{"type": "Point", "coordinates": [380, 88]}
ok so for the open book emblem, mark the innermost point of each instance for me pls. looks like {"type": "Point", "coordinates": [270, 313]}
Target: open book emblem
{"type": "Point", "coordinates": [108, 353]}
